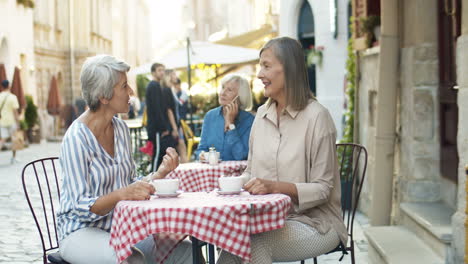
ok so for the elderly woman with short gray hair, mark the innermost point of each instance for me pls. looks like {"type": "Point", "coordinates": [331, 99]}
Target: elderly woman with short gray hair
{"type": "Point", "coordinates": [227, 127]}
{"type": "Point", "coordinates": [98, 170]}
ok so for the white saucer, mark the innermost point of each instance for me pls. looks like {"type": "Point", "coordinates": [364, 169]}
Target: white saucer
{"type": "Point", "coordinates": [207, 162]}
{"type": "Point", "coordinates": [168, 195]}
{"type": "Point", "coordinates": [229, 192]}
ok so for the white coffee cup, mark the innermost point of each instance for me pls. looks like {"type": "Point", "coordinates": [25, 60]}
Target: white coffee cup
{"type": "Point", "coordinates": [166, 186]}
{"type": "Point", "coordinates": [230, 184]}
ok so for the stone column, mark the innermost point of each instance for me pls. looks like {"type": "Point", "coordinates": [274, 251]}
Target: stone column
{"type": "Point", "coordinates": [385, 122]}
{"type": "Point", "coordinates": [458, 219]}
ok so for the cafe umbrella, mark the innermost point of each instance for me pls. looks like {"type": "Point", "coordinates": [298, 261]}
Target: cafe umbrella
{"type": "Point", "coordinates": [2, 72]}
{"type": "Point", "coordinates": [17, 88]}
{"type": "Point", "coordinates": [53, 102]}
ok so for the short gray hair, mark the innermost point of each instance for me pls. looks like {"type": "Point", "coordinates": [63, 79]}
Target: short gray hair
{"type": "Point", "coordinates": [99, 75]}
{"type": "Point", "coordinates": [245, 95]}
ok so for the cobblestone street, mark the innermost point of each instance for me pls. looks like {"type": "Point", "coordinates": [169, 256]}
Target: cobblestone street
{"type": "Point", "coordinates": [20, 243]}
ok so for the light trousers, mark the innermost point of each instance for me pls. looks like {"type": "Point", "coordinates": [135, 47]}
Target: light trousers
{"type": "Point", "coordinates": [294, 242]}
{"type": "Point", "coordinates": [91, 245]}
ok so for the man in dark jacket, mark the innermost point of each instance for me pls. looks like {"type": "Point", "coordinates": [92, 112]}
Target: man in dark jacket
{"type": "Point", "coordinates": [160, 114]}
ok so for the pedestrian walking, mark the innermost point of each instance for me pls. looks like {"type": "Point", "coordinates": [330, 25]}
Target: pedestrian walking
{"type": "Point", "coordinates": [161, 126]}
{"type": "Point", "coordinates": [9, 117]}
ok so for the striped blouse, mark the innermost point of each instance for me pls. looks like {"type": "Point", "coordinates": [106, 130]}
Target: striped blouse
{"type": "Point", "coordinates": [89, 172]}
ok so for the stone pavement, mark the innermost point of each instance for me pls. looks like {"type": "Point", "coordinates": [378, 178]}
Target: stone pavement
{"type": "Point", "coordinates": [19, 239]}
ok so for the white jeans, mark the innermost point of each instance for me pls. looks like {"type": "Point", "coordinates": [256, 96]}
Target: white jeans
{"type": "Point", "coordinates": [91, 245]}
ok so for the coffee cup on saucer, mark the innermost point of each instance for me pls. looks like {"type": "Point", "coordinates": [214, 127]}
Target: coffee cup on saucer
{"type": "Point", "coordinates": [166, 186]}
{"type": "Point", "coordinates": [230, 184]}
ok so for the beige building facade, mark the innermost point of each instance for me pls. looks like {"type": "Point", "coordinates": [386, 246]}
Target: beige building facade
{"type": "Point", "coordinates": [227, 19]}
{"type": "Point", "coordinates": [17, 43]}
{"type": "Point", "coordinates": [412, 118]}
{"type": "Point", "coordinates": [55, 37]}
{"type": "Point", "coordinates": [67, 32]}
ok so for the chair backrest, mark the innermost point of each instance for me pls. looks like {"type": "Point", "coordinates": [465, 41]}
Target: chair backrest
{"type": "Point", "coordinates": [41, 187]}
{"type": "Point", "coordinates": [352, 159]}
{"type": "Point", "coordinates": [188, 133]}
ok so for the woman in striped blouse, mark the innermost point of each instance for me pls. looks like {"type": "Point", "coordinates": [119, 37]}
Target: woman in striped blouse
{"type": "Point", "coordinates": [98, 170]}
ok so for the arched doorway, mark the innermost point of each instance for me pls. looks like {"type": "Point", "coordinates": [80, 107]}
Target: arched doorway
{"type": "Point", "coordinates": [306, 35]}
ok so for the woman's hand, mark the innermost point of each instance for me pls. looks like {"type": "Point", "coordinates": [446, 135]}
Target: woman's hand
{"type": "Point", "coordinates": [202, 157]}
{"type": "Point", "coordinates": [169, 163]}
{"type": "Point", "coordinates": [230, 112]}
{"type": "Point", "coordinates": [137, 191]}
{"type": "Point", "coordinates": [260, 186]}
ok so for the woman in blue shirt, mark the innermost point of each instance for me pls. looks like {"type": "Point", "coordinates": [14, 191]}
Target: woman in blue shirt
{"type": "Point", "coordinates": [227, 127]}
{"type": "Point", "coordinates": [98, 170]}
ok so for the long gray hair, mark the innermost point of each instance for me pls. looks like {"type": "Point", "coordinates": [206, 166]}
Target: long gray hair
{"type": "Point", "coordinates": [289, 53]}
{"type": "Point", "coordinates": [99, 75]}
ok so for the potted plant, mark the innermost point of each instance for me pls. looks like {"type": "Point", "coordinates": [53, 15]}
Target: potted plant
{"type": "Point", "coordinates": [370, 28]}
{"type": "Point", "coordinates": [31, 121]}
{"type": "Point", "coordinates": [314, 55]}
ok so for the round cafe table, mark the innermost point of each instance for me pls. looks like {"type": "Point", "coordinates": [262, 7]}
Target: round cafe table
{"type": "Point", "coordinates": [226, 221]}
{"type": "Point", "coordinates": [203, 177]}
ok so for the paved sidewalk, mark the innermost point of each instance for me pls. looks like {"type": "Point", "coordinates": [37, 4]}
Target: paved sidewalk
{"type": "Point", "coordinates": [20, 242]}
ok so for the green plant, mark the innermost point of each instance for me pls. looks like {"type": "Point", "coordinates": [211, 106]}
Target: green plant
{"type": "Point", "coordinates": [314, 55]}
{"type": "Point", "coordinates": [30, 114]}
{"type": "Point", "coordinates": [367, 25]}
{"type": "Point", "coordinates": [23, 125]}
{"type": "Point", "coordinates": [143, 168]}
{"type": "Point", "coordinates": [26, 3]}
{"type": "Point", "coordinates": [141, 81]}
{"type": "Point", "coordinates": [202, 103]}
{"type": "Point", "coordinates": [348, 135]}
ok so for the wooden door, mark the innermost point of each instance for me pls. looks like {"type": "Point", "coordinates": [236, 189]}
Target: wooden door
{"type": "Point", "coordinates": [449, 26]}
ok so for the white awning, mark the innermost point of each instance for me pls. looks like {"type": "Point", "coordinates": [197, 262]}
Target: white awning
{"type": "Point", "coordinates": [203, 52]}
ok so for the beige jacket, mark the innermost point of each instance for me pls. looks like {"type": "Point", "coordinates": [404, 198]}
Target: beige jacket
{"type": "Point", "coordinates": [300, 150]}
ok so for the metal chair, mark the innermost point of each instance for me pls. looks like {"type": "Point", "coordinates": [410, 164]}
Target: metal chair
{"type": "Point", "coordinates": [353, 164]}
{"type": "Point", "coordinates": [41, 187]}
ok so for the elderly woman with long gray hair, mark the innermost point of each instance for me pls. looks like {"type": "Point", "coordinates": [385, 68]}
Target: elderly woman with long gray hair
{"type": "Point", "coordinates": [98, 170]}
{"type": "Point", "coordinates": [292, 151]}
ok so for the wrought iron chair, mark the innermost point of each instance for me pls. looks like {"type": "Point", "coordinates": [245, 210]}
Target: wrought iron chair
{"type": "Point", "coordinates": [41, 187]}
{"type": "Point", "coordinates": [353, 164]}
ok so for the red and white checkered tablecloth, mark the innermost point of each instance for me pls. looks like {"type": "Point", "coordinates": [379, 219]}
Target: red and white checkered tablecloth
{"type": "Point", "coordinates": [222, 220]}
{"type": "Point", "coordinates": [203, 177]}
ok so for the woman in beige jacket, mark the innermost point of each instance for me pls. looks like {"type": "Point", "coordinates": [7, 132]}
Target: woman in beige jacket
{"type": "Point", "coordinates": [292, 151]}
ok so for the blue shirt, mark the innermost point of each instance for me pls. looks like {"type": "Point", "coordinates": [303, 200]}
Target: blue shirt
{"type": "Point", "coordinates": [232, 145]}
{"type": "Point", "coordinates": [89, 172]}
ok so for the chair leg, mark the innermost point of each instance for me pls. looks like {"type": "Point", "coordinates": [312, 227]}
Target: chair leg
{"type": "Point", "coordinates": [302, 261]}
{"type": "Point", "coordinates": [189, 148]}
{"type": "Point", "coordinates": [315, 261]}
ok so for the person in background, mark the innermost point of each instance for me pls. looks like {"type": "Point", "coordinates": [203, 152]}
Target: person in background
{"type": "Point", "coordinates": [292, 151]}
{"type": "Point", "coordinates": [134, 106]}
{"type": "Point", "coordinates": [80, 105]}
{"type": "Point", "coordinates": [182, 98]}
{"type": "Point", "coordinates": [9, 117]}
{"type": "Point", "coordinates": [170, 80]}
{"type": "Point", "coordinates": [161, 125]}
{"type": "Point", "coordinates": [98, 171]}
{"type": "Point", "coordinates": [227, 127]}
